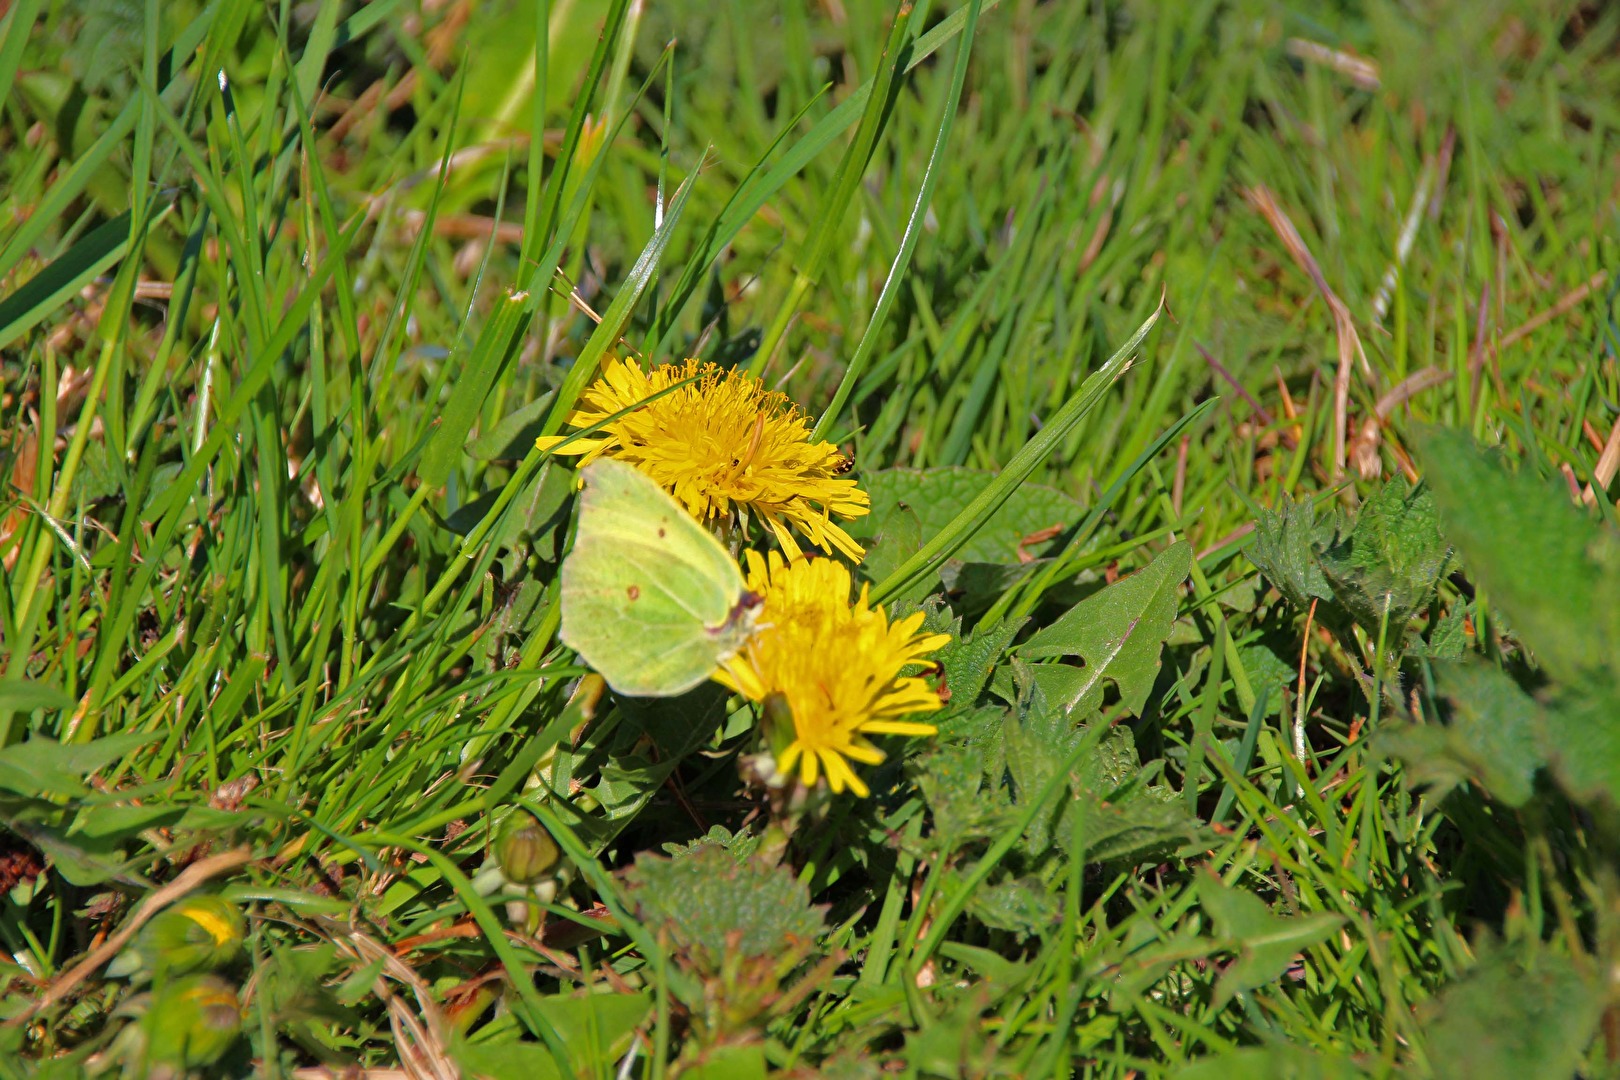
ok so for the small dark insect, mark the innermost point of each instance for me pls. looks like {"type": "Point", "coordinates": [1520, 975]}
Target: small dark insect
{"type": "Point", "coordinates": [633, 592]}
{"type": "Point", "coordinates": [844, 465]}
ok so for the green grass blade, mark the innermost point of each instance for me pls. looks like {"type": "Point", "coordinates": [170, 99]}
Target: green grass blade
{"type": "Point", "coordinates": [908, 240]}
{"type": "Point", "coordinates": [44, 293]}
{"type": "Point", "coordinates": [617, 316]}
{"type": "Point", "coordinates": [501, 336]}
{"type": "Point", "coordinates": [943, 545]}
{"type": "Point", "coordinates": [830, 215]}
{"type": "Point", "coordinates": [19, 26]}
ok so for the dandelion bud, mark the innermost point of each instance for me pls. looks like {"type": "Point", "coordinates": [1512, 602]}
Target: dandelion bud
{"type": "Point", "coordinates": [524, 850]}
{"type": "Point", "coordinates": [192, 1022]}
{"type": "Point", "coordinates": [199, 933]}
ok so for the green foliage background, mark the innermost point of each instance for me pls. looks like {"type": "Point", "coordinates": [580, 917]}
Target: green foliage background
{"type": "Point", "coordinates": [1260, 758]}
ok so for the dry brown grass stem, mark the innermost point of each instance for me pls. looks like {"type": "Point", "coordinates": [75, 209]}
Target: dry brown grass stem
{"type": "Point", "coordinates": [1344, 326]}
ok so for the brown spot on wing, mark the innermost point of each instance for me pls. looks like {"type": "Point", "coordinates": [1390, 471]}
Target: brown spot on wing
{"type": "Point", "coordinates": [633, 592]}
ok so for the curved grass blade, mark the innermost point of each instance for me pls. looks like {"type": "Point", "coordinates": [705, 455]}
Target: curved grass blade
{"type": "Point", "coordinates": [1058, 567]}
{"type": "Point", "coordinates": [830, 215]}
{"type": "Point", "coordinates": [617, 315]}
{"type": "Point", "coordinates": [908, 240]}
{"type": "Point", "coordinates": [973, 516]}
{"type": "Point", "coordinates": [49, 289]}
{"type": "Point", "coordinates": [742, 209]}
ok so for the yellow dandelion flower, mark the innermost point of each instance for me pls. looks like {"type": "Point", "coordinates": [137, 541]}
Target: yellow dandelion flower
{"type": "Point", "coordinates": [721, 445]}
{"type": "Point", "coordinates": [836, 664]}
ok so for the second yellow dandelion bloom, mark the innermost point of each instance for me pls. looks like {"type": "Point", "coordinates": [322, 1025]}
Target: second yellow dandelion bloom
{"type": "Point", "coordinates": [838, 666]}
{"type": "Point", "coordinates": [722, 446]}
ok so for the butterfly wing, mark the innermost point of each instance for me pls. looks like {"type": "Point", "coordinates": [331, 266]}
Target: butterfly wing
{"type": "Point", "coordinates": [650, 599]}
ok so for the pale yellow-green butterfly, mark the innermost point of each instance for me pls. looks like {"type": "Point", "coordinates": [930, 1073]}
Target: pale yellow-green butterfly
{"type": "Point", "coordinates": [650, 599]}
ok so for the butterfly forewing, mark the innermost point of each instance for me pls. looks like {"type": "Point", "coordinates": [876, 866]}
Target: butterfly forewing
{"type": "Point", "coordinates": [649, 598]}
{"type": "Point", "coordinates": [651, 533]}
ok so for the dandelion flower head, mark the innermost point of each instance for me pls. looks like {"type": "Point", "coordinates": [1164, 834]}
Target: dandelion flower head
{"type": "Point", "coordinates": [721, 445]}
{"type": "Point", "coordinates": [839, 666]}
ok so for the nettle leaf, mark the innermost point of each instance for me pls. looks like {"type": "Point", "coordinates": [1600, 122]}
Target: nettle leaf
{"type": "Point", "coordinates": [1284, 550]}
{"type": "Point", "coordinates": [740, 844]}
{"type": "Point", "coordinates": [1120, 814]}
{"type": "Point", "coordinates": [1025, 907]}
{"type": "Point", "coordinates": [711, 904]}
{"type": "Point", "coordinates": [1555, 573]}
{"type": "Point", "coordinates": [1265, 943]}
{"type": "Point", "coordinates": [1543, 561]}
{"type": "Point", "coordinates": [1152, 822]}
{"type": "Point", "coordinates": [968, 662]}
{"type": "Point", "coordinates": [952, 781]}
{"type": "Point", "coordinates": [1391, 560]}
{"type": "Point", "coordinates": [937, 495]}
{"type": "Point", "coordinates": [1036, 739]}
{"type": "Point", "coordinates": [1513, 1016]}
{"type": "Point", "coordinates": [1580, 737]}
{"type": "Point", "coordinates": [1448, 635]}
{"type": "Point", "coordinates": [1490, 737]}
{"type": "Point", "coordinates": [1117, 633]}
{"type": "Point", "coordinates": [976, 726]}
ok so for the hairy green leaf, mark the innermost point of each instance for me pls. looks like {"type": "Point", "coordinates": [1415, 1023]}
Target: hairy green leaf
{"type": "Point", "coordinates": [712, 905]}
{"type": "Point", "coordinates": [1491, 735]}
{"type": "Point", "coordinates": [1532, 549]}
{"type": "Point", "coordinates": [935, 496]}
{"type": "Point", "coordinates": [1580, 736]}
{"type": "Point", "coordinates": [1388, 565]}
{"type": "Point", "coordinates": [1284, 550]}
{"type": "Point", "coordinates": [1512, 1017]}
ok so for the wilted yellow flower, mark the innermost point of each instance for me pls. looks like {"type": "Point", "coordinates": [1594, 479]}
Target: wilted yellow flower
{"type": "Point", "coordinates": [836, 664]}
{"type": "Point", "coordinates": [721, 445]}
